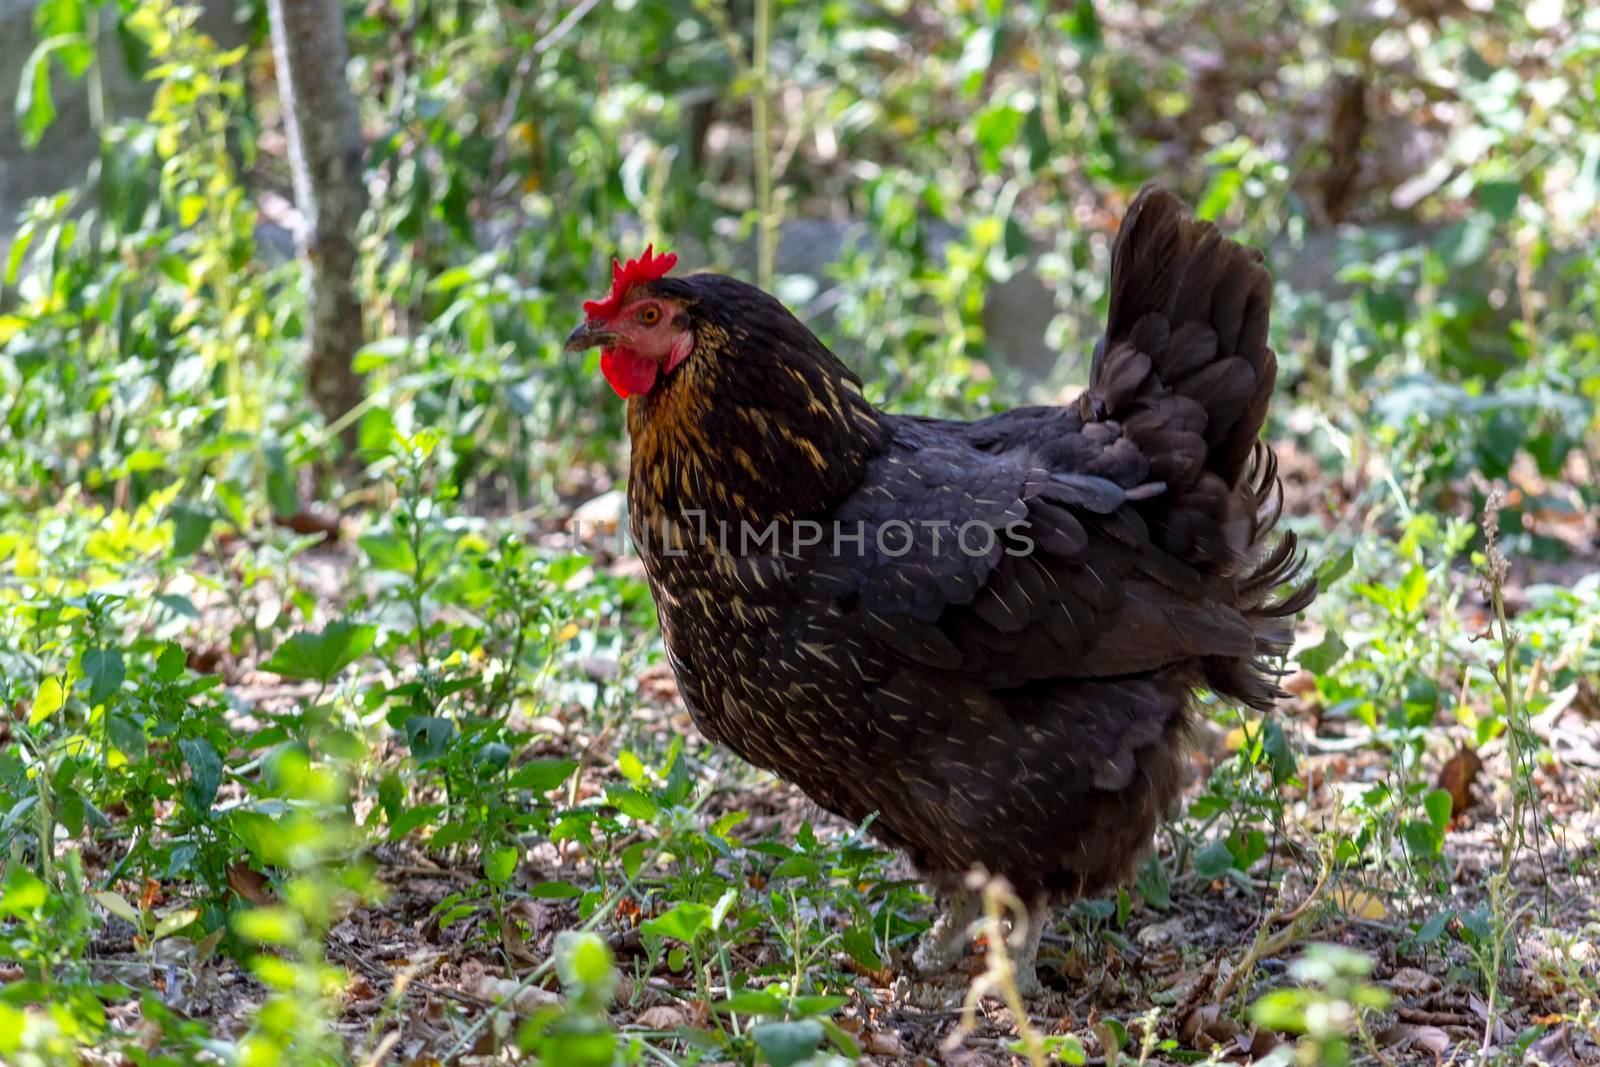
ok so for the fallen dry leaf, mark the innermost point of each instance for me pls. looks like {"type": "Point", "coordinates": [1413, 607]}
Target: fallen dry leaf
{"type": "Point", "coordinates": [1359, 904]}
{"type": "Point", "coordinates": [1456, 778]}
{"type": "Point", "coordinates": [1300, 683]}
{"type": "Point", "coordinates": [1206, 1026]}
{"type": "Point", "coordinates": [1428, 1039]}
{"type": "Point", "coordinates": [882, 1043]}
{"type": "Point", "coordinates": [309, 522]}
{"type": "Point", "coordinates": [1553, 1049]}
{"type": "Point", "coordinates": [250, 884]}
{"type": "Point", "coordinates": [1412, 980]}
{"type": "Point", "coordinates": [1259, 1043]}
{"type": "Point", "coordinates": [1236, 737]}
{"type": "Point", "coordinates": [662, 1017]}
{"type": "Point", "coordinates": [524, 1000]}
{"type": "Point", "coordinates": [359, 987]}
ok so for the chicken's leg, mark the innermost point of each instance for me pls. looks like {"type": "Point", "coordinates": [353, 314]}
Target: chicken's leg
{"type": "Point", "coordinates": [1027, 976]}
{"type": "Point", "coordinates": [942, 947]}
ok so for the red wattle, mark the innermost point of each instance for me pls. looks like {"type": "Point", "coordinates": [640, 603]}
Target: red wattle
{"type": "Point", "coordinates": [627, 371]}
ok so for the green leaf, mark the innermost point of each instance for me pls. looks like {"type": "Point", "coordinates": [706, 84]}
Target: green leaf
{"type": "Point", "coordinates": [797, 867]}
{"type": "Point", "coordinates": [174, 921]}
{"type": "Point", "coordinates": [1213, 861]}
{"type": "Point", "coordinates": [683, 923]}
{"type": "Point", "coordinates": [1153, 884]}
{"type": "Point", "coordinates": [1220, 194]}
{"type": "Point", "coordinates": [1334, 569]}
{"type": "Point", "coordinates": [205, 769]}
{"type": "Point", "coordinates": [24, 893]}
{"type": "Point", "coordinates": [171, 663]}
{"type": "Point", "coordinates": [36, 108]}
{"type": "Point", "coordinates": [555, 891]}
{"type": "Point", "coordinates": [722, 826]}
{"type": "Point", "coordinates": [501, 864]}
{"type": "Point", "coordinates": [785, 1044]}
{"type": "Point", "coordinates": [391, 796]}
{"type": "Point", "coordinates": [283, 494]}
{"type": "Point", "coordinates": [179, 605]}
{"type": "Point", "coordinates": [273, 926]}
{"type": "Point", "coordinates": [47, 700]}
{"type": "Point", "coordinates": [1084, 23]}
{"type": "Point", "coordinates": [1063, 1048]}
{"type": "Point", "coordinates": [1323, 656]}
{"type": "Point", "coordinates": [234, 508]}
{"type": "Point", "coordinates": [190, 527]}
{"type": "Point", "coordinates": [859, 946]}
{"type": "Point", "coordinates": [1279, 753]}
{"type": "Point", "coordinates": [633, 858]}
{"type": "Point", "coordinates": [1420, 837]}
{"type": "Point", "coordinates": [751, 1002]}
{"type": "Point", "coordinates": [405, 822]}
{"type": "Point", "coordinates": [818, 1004]}
{"type": "Point", "coordinates": [261, 835]}
{"type": "Point", "coordinates": [319, 657]}
{"type": "Point", "coordinates": [19, 249]}
{"type": "Point", "coordinates": [576, 1048]}
{"type": "Point", "coordinates": [491, 758]}
{"type": "Point", "coordinates": [127, 736]}
{"type": "Point", "coordinates": [104, 671]}
{"type": "Point", "coordinates": [389, 552]}
{"type": "Point", "coordinates": [377, 431]}
{"type": "Point", "coordinates": [381, 353]}
{"type": "Point", "coordinates": [845, 1044]}
{"type": "Point", "coordinates": [542, 775]}
{"type": "Point", "coordinates": [1282, 1009]}
{"type": "Point", "coordinates": [1438, 805]}
{"type": "Point", "coordinates": [632, 767]}
{"type": "Point", "coordinates": [1413, 588]}
{"type": "Point", "coordinates": [724, 904]}
{"type": "Point", "coordinates": [52, 18]}
{"type": "Point", "coordinates": [583, 961]}
{"type": "Point", "coordinates": [1499, 198]}
{"type": "Point", "coordinates": [1433, 927]}
{"type": "Point", "coordinates": [996, 128]}
{"type": "Point", "coordinates": [118, 905]}
{"type": "Point", "coordinates": [429, 736]}
{"type": "Point", "coordinates": [632, 803]}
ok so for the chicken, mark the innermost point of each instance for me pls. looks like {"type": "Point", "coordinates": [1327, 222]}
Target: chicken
{"type": "Point", "coordinates": [987, 633]}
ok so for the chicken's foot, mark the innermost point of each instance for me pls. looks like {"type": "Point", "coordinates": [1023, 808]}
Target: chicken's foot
{"type": "Point", "coordinates": [945, 943]}
{"type": "Point", "coordinates": [1024, 965]}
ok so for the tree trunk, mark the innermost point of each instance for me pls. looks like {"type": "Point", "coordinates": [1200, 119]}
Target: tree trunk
{"type": "Point", "coordinates": [319, 112]}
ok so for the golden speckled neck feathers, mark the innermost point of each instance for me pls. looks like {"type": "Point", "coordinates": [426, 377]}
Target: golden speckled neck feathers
{"type": "Point", "coordinates": [760, 423]}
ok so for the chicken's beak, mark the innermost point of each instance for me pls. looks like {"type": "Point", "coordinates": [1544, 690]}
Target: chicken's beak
{"type": "Point", "coordinates": [588, 335]}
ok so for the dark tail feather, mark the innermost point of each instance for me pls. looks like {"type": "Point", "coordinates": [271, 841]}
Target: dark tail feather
{"type": "Point", "coordinates": [1184, 367]}
{"type": "Point", "coordinates": [1188, 328]}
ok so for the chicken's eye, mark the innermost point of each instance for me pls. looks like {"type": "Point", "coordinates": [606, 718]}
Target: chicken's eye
{"type": "Point", "coordinates": [650, 315]}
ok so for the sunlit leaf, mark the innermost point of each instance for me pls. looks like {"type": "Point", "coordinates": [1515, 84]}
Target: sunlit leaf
{"type": "Point", "coordinates": [47, 700]}
{"type": "Point", "coordinates": [117, 905]}
{"type": "Point", "coordinates": [320, 656]}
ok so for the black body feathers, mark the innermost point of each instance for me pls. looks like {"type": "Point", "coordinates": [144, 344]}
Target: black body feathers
{"type": "Point", "coordinates": [994, 642]}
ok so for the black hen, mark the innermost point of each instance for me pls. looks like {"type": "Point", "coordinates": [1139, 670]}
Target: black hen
{"type": "Point", "coordinates": [987, 633]}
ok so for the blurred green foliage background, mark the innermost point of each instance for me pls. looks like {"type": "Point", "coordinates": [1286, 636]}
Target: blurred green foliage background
{"type": "Point", "coordinates": [1423, 177]}
{"type": "Point", "coordinates": [933, 186]}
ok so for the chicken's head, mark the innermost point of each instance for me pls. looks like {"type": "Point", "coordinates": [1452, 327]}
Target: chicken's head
{"type": "Point", "coordinates": [643, 334]}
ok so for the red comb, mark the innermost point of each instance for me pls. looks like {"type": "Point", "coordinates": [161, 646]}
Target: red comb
{"type": "Point", "coordinates": [647, 268]}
